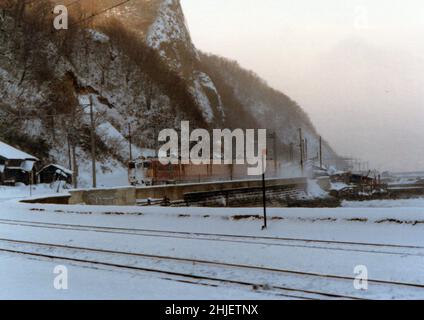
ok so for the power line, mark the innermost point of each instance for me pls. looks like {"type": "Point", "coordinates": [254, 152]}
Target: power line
{"type": "Point", "coordinates": [101, 12]}
{"type": "Point", "coordinates": [66, 5]}
{"type": "Point", "coordinates": [39, 117]}
{"type": "Point", "coordinates": [72, 3]}
{"type": "Point", "coordinates": [92, 15]}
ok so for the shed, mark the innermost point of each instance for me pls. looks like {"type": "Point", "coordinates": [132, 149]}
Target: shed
{"type": "Point", "coordinates": [54, 172]}
{"type": "Point", "coordinates": [15, 165]}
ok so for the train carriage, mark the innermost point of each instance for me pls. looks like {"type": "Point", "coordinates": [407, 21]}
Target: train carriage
{"type": "Point", "coordinates": [146, 172]}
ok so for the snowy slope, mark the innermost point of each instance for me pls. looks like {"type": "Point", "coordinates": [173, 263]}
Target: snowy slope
{"type": "Point", "coordinates": [169, 35]}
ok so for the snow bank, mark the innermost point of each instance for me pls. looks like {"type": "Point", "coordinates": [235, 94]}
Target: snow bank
{"type": "Point", "coordinates": [404, 203]}
{"type": "Point", "coordinates": [315, 191]}
{"type": "Point", "coordinates": [412, 216]}
{"type": "Point", "coordinates": [25, 192]}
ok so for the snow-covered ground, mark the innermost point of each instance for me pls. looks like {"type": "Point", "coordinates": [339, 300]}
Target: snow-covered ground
{"type": "Point", "coordinates": [154, 252]}
{"type": "Point", "coordinates": [23, 192]}
{"type": "Point", "coordinates": [402, 203]}
{"type": "Point", "coordinates": [29, 279]}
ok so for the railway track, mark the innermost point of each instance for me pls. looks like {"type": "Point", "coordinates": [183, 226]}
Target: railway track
{"type": "Point", "coordinates": [376, 248]}
{"type": "Point", "coordinates": [67, 253]}
{"type": "Point", "coordinates": [205, 272]}
{"type": "Point", "coordinates": [47, 250]}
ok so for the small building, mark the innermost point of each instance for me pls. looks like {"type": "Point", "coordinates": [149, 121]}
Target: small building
{"type": "Point", "coordinates": [319, 172]}
{"type": "Point", "coordinates": [359, 178]}
{"type": "Point", "coordinates": [16, 166]}
{"type": "Point", "coordinates": [53, 173]}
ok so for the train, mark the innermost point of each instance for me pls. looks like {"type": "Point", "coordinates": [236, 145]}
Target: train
{"type": "Point", "coordinates": [151, 172]}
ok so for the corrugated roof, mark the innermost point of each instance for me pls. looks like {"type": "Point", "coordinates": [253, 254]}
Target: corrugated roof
{"type": "Point", "coordinates": [11, 153]}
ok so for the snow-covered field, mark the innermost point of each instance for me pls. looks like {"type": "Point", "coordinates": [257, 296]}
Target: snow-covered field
{"type": "Point", "coordinates": [402, 203]}
{"type": "Point", "coordinates": [203, 253]}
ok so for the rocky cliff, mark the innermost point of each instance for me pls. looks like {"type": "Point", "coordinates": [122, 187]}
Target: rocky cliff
{"type": "Point", "coordinates": [137, 66]}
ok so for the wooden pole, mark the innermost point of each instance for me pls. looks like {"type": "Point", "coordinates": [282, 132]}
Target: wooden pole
{"type": "Point", "coordinates": [93, 144]}
{"type": "Point", "coordinates": [30, 183]}
{"type": "Point", "coordinates": [130, 141]}
{"type": "Point", "coordinates": [265, 226]}
{"type": "Point", "coordinates": [72, 140]}
{"type": "Point", "coordinates": [301, 150]}
{"type": "Point", "coordinates": [69, 151]}
{"type": "Point", "coordinates": [74, 166]}
{"type": "Point", "coordinates": [306, 149]}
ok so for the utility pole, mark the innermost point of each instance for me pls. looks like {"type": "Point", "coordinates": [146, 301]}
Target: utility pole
{"type": "Point", "coordinates": [74, 166]}
{"type": "Point", "coordinates": [93, 144]}
{"type": "Point", "coordinates": [72, 159]}
{"type": "Point", "coordinates": [72, 140]}
{"type": "Point", "coordinates": [69, 151]}
{"type": "Point", "coordinates": [130, 141]}
{"type": "Point", "coordinates": [264, 153]}
{"type": "Point", "coordinates": [301, 149]}
{"type": "Point", "coordinates": [306, 149]}
{"type": "Point", "coordinates": [30, 183]}
{"type": "Point", "coordinates": [320, 152]}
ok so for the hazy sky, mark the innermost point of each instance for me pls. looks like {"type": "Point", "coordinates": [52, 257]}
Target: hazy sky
{"type": "Point", "coordinates": [356, 67]}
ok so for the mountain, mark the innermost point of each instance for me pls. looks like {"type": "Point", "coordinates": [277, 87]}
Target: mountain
{"type": "Point", "coordinates": [212, 79]}
{"type": "Point", "coordinates": [137, 65]}
{"type": "Point", "coordinates": [167, 33]}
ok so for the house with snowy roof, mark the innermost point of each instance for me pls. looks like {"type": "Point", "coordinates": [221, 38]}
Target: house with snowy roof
{"type": "Point", "coordinates": [16, 166]}
{"type": "Point", "coordinates": [53, 173]}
